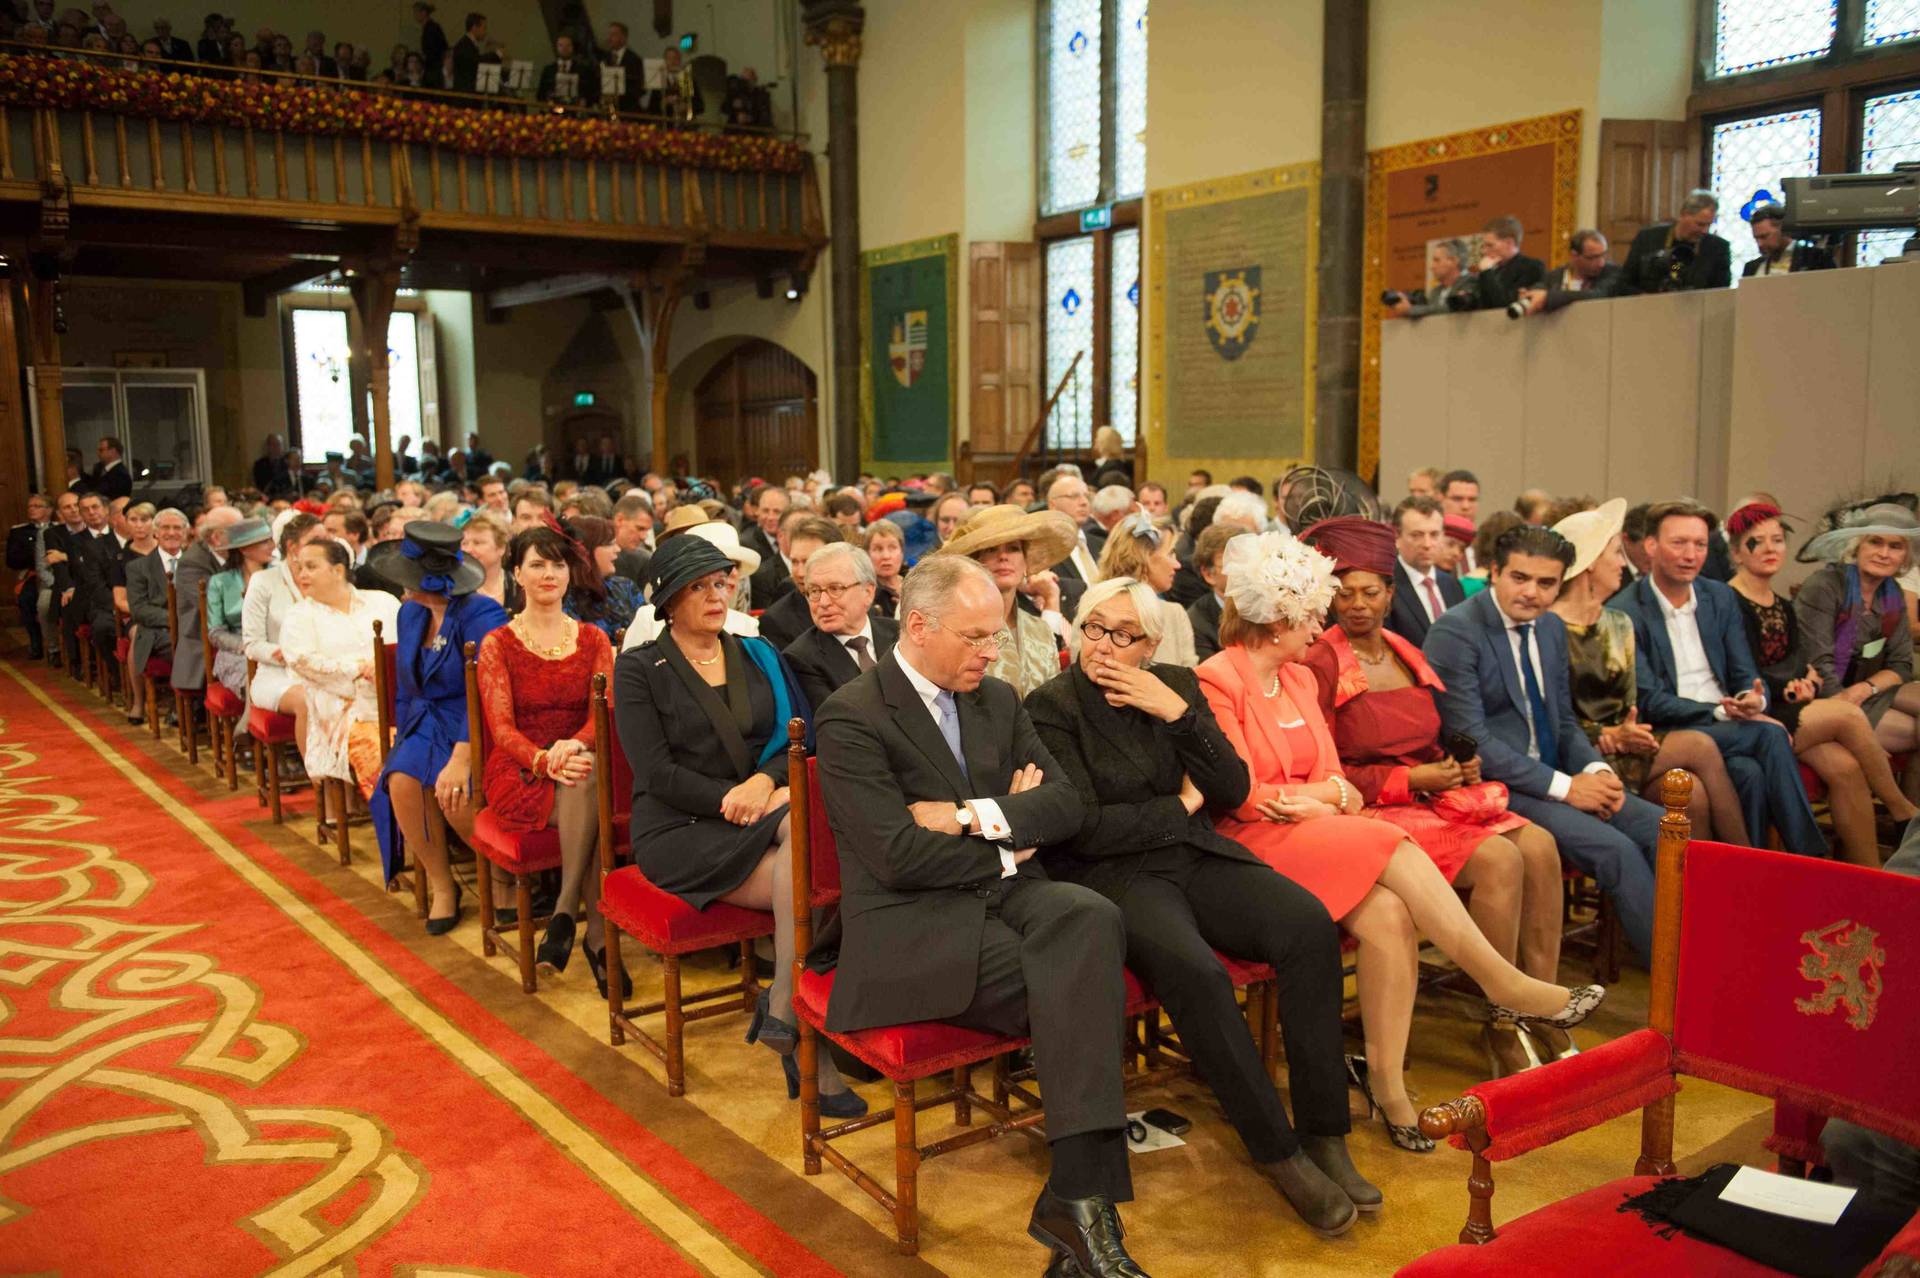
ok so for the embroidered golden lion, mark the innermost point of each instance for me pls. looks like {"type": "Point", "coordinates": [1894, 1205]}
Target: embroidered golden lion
{"type": "Point", "coordinates": [1846, 962]}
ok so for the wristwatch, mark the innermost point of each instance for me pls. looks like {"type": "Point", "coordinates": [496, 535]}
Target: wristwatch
{"type": "Point", "coordinates": [964, 816]}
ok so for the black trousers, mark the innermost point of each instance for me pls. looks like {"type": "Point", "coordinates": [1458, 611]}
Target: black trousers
{"type": "Point", "coordinates": [1051, 957]}
{"type": "Point", "coordinates": [28, 601]}
{"type": "Point", "coordinates": [1176, 917]}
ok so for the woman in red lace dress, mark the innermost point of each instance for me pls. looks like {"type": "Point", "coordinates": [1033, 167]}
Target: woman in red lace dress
{"type": "Point", "coordinates": [1376, 692]}
{"type": "Point", "coordinates": [535, 674]}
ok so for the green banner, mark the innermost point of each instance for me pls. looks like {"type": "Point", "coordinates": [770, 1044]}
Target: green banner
{"type": "Point", "coordinates": [908, 380]}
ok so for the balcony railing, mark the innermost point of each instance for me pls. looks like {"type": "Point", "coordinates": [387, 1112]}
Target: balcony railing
{"type": "Point", "coordinates": [115, 133]}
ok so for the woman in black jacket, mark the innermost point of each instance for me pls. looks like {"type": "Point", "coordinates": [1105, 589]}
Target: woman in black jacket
{"type": "Point", "coordinates": [702, 717]}
{"type": "Point", "coordinates": [1143, 748]}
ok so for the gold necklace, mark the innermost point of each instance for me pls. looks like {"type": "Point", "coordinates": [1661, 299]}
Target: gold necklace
{"type": "Point", "coordinates": [709, 661]}
{"type": "Point", "coordinates": [539, 650]}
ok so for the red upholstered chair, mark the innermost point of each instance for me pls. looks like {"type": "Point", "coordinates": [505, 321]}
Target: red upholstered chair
{"type": "Point", "coordinates": [520, 854]}
{"type": "Point", "coordinates": [1765, 978]}
{"type": "Point", "coordinates": [663, 923]}
{"type": "Point", "coordinates": [224, 710]}
{"type": "Point", "coordinates": [903, 1053]}
{"type": "Point", "coordinates": [272, 733]}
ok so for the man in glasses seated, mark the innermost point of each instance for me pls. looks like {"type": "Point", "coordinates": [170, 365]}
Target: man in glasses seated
{"type": "Point", "coordinates": [847, 635]}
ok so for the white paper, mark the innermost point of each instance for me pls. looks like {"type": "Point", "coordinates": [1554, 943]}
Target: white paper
{"type": "Point", "coordinates": [613, 82]}
{"type": "Point", "coordinates": [1787, 1196]}
{"type": "Point", "coordinates": [519, 74]}
{"type": "Point", "coordinates": [1156, 1138]}
{"type": "Point", "coordinates": [487, 77]}
{"type": "Point", "coordinates": [566, 85]}
{"type": "Point", "coordinates": [653, 72]}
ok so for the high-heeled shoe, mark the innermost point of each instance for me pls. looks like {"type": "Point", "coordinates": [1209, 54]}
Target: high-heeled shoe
{"type": "Point", "coordinates": [1405, 1136]}
{"type": "Point", "coordinates": [556, 947]}
{"type": "Point", "coordinates": [597, 964]}
{"type": "Point", "coordinates": [1497, 1066]}
{"type": "Point", "coordinates": [1539, 1044]}
{"type": "Point", "coordinates": [1581, 1003]}
{"type": "Point", "coordinates": [847, 1104]}
{"type": "Point", "coordinates": [769, 1029]}
{"type": "Point", "coordinates": [440, 927]}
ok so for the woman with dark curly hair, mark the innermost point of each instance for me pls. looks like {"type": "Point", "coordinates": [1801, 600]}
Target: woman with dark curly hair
{"type": "Point", "coordinates": [620, 596]}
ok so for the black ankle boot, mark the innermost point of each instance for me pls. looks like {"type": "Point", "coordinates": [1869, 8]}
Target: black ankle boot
{"type": "Point", "coordinates": [557, 946]}
{"type": "Point", "coordinates": [1321, 1203]}
{"type": "Point", "coordinates": [1329, 1154]}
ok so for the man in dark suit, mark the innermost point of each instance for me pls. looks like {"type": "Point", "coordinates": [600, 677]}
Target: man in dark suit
{"type": "Point", "coordinates": [1780, 254]}
{"type": "Point", "coordinates": [84, 580]}
{"type": "Point", "coordinates": [1503, 269]}
{"type": "Point", "coordinates": [1695, 671]}
{"type": "Point", "coordinates": [1503, 658]}
{"type": "Point", "coordinates": [939, 790]}
{"type": "Point", "coordinates": [109, 477]}
{"type": "Point", "coordinates": [618, 54]}
{"type": "Point", "coordinates": [147, 579]}
{"type": "Point", "coordinates": [1422, 592]}
{"type": "Point", "coordinates": [773, 579]}
{"type": "Point", "coordinates": [847, 637]}
{"type": "Point", "coordinates": [1587, 274]}
{"type": "Point", "coordinates": [764, 506]}
{"type": "Point", "coordinates": [1673, 257]}
{"type": "Point", "coordinates": [466, 55]}
{"type": "Point", "coordinates": [787, 617]}
{"type": "Point", "coordinates": [172, 47]}
{"type": "Point", "coordinates": [201, 560]}
{"type": "Point", "coordinates": [27, 557]}
{"type": "Point", "coordinates": [567, 60]}
{"type": "Point", "coordinates": [1068, 495]}
{"type": "Point", "coordinates": [632, 519]}
{"type": "Point", "coordinates": [433, 43]}
{"type": "Point", "coordinates": [1204, 612]}
{"type": "Point", "coordinates": [604, 466]}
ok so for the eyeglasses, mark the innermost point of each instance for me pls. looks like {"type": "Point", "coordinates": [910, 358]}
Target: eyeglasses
{"type": "Point", "coordinates": [832, 592]}
{"type": "Point", "coordinates": [1095, 632]}
{"type": "Point", "coordinates": [997, 640]}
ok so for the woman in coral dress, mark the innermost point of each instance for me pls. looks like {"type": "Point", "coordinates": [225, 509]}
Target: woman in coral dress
{"type": "Point", "coordinates": [1377, 692]}
{"type": "Point", "coordinates": [535, 675]}
{"type": "Point", "coordinates": [1302, 817]}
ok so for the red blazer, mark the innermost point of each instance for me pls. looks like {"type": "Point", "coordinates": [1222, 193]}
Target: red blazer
{"type": "Point", "coordinates": [1239, 702]}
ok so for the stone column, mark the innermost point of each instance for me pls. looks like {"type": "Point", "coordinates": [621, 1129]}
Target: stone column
{"type": "Point", "coordinates": [835, 26]}
{"type": "Point", "coordinates": [46, 321]}
{"type": "Point", "coordinates": [1343, 232]}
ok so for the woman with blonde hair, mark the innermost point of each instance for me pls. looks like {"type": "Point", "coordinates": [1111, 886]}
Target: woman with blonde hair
{"type": "Point", "coordinates": [484, 540]}
{"type": "Point", "coordinates": [1110, 465]}
{"type": "Point", "coordinates": [1140, 549]}
{"type": "Point", "coordinates": [1302, 816]}
{"type": "Point", "coordinates": [886, 546]}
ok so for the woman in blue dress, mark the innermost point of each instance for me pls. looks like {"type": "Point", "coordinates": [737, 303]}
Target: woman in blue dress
{"type": "Point", "coordinates": [427, 783]}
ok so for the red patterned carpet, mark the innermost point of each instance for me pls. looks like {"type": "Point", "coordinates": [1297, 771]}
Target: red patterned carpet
{"type": "Point", "coordinates": [211, 1062]}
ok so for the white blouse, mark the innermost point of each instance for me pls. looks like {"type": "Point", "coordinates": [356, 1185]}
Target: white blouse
{"type": "Point", "coordinates": [325, 646]}
{"type": "Point", "coordinates": [271, 596]}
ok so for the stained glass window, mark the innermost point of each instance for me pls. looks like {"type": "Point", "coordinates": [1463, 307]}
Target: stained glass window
{"type": "Point", "coordinates": [1750, 35]}
{"type": "Point", "coordinates": [322, 387]}
{"type": "Point", "coordinates": [1889, 135]}
{"type": "Point", "coordinates": [1073, 104]}
{"type": "Point", "coordinates": [1753, 155]}
{"type": "Point", "coordinates": [1888, 21]}
{"type": "Point", "coordinates": [1070, 332]}
{"type": "Point", "coordinates": [1123, 390]}
{"type": "Point", "coordinates": [1130, 109]}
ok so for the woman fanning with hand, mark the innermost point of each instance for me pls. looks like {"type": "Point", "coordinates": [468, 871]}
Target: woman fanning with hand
{"type": "Point", "coordinates": [1140, 744]}
{"type": "Point", "coordinates": [1377, 692]}
{"type": "Point", "coordinates": [535, 674]}
{"type": "Point", "coordinates": [1831, 735]}
{"type": "Point", "coordinates": [1600, 650]}
{"type": "Point", "coordinates": [702, 716]}
{"type": "Point", "coordinates": [1302, 817]}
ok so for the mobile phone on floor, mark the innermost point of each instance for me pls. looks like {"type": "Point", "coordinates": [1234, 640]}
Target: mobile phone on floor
{"type": "Point", "coordinates": [1167, 1121]}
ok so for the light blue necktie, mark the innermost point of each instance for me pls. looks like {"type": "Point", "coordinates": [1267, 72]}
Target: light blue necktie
{"type": "Point", "coordinates": [949, 720]}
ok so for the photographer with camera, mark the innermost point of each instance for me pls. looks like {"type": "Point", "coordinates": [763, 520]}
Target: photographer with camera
{"type": "Point", "coordinates": [1677, 256]}
{"type": "Point", "coordinates": [1588, 274]}
{"type": "Point", "coordinates": [1780, 255]}
{"type": "Point", "coordinates": [1504, 271]}
{"type": "Point", "coordinates": [1453, 285]}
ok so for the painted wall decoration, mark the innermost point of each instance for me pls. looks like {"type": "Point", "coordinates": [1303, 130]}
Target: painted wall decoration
{"type": "Point", "coordinates": [908, 373]}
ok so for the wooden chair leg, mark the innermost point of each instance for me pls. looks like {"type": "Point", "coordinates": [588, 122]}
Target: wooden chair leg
{"type": "Point", "coordinates": [152, 687]}
{"type": "Point", "coordinates": [749, 982]}
{"type": "Point", "coordinates": [962, 1107]}
{"type": "Point", "coordinates": [523, 897]}
{"type": "Point", "coordinates": [420, 885]}
{"type": "Point", "coordinates": [230, 729]}
{"type": "Point", "coordinates": [273, 780]}
{"type": "Point", "coordinates": [346, 790]}
{"type": "Point", "coordinates": [322, 794]}
{"type": "Point", "coordinates": [192, 730]}
{"type": "Point", "coordinates": [483, 885]}
{"type": "Point", "coordinates": [809, 1061]}
{"type": "Point", "coordinates": [906, 1170]}
{"type": "Point", "coordinates": [676, 1024]}
{"type": "Point", "coordinates": [259, 772]}
{"type": "Point", "coordinates": [180, 716]}
{"type": "Point", "coordinates": [616, 1008]}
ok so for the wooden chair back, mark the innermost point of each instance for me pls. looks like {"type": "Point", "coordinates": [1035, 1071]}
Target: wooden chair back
{"type": "Point", "coordinates": [206, 636]}
{"type": "Point", "coordinates": [173, 617]}
{"type": "Point", "coordinates": [606, 747]}
{"type": "Point", "coordinates": [476, 726]}
{"type": "Point", "coordinates": [816, 857]}
{"type": "Point", "coordinates": [385, 675]}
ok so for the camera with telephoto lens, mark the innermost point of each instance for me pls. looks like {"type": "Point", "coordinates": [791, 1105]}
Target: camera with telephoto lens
{"type": "Point", "coordinates": [1518, 308]}
{"type": "Point", "coordinates": [1392, 297]}
{"type": "Point", "coordinates": [1465, 296]}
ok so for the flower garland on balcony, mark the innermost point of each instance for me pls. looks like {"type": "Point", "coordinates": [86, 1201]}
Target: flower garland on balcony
{"type": "Point", "coordinates": [71, 84]}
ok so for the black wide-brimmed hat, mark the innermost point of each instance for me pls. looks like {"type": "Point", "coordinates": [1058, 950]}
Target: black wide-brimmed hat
{"type": "Point", "coordinates": [427, 557]}
{"type": "Point", "coordinates": [677, 564]}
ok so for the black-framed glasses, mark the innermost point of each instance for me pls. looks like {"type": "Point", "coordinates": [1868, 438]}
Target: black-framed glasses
{"type": "Point", "coordinates": [1095, 632]}
{"type": "Point", "coordinates": [834, 593]}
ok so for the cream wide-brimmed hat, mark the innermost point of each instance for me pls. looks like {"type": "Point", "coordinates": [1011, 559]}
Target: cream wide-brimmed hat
{"type": "Point", "coordinates": [1590, 531]}
{"type": "Point", "coordinates": [679, 520]}
{"type": "Point", "coordinates": [1048, 535]}
{"type": "Point", "coordinates": [726, 539]}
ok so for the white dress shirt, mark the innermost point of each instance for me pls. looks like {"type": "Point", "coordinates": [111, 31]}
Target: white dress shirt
{"type": "Point", "coordinates": [168, 563]}
{"type": "Point", "coordinates": [988, 822]}
{"type": "Point", "coordinates": [1419, 577]}
{"type": "Point", "coordinates": [865, 632]}
{"type": "Point", "coordinates": [1562, 784]}
{"type": "Point", "coordinates": [1083, 559]}
{"type": "Point", "coordinates": [1693, 674]}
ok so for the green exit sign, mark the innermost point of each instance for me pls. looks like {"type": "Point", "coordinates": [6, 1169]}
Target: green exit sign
{"type": "Point", "coordinates": [583, 399]}
{"type": "Point", "coordinates": [1096, 219]}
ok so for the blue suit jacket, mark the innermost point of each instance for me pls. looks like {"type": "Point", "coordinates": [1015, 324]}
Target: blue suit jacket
{"type": "Point", "coordinates": [1722, 633]}
{"type": "Point", "coordinates": [1484, 698]}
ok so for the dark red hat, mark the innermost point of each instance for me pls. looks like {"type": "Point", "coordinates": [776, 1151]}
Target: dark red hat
{"type": "Point", "coordinates": [1353, 542]}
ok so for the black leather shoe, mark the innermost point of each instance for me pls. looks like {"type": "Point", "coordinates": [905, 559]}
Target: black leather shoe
{"type": "Point", "coordinates": [556, 947]}
{"type": "Point", "coordinates": [597, 964]}
{"type": "Point", "coordinates": [1321, 1203]}
{"type": "Point", "coordinates": [1063, 1265]}
{"type": "Point", "coordinates": [442, 926]}
{"type": "Point", "coordinates": [1329, 1154]}
{"type": "Point", "coordinates": [1088, 1230]}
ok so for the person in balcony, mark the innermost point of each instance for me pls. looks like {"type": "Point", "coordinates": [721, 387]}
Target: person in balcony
{"type": "Point", "coordinates": [571, 79]}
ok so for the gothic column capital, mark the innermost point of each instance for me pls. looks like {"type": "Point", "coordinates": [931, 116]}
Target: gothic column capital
{"type": "Point", "coordinates": [834, 26]}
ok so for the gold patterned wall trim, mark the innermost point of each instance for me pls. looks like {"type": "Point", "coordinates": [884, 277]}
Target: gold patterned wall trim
{"type": "Point", "coordinates": [943, 312]}
{"type": "Point", "coordinates": [1293, 278]}
{"type": "Point", "coordinates": [1561, 131]}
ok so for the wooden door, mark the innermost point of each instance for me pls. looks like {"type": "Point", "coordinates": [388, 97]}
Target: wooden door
{"type": "Point", "coordinates": [1004, 308]}
{"type": "Point", "coordinates": [1644, 175]}
{"type": "Point", "coordinates": [756, 413]}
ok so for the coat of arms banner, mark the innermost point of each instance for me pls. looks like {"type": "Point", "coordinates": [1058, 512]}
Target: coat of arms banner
{"type": "Point", "coordinates": [908, 341]}
{"type": "Point", "coordinates": [1232, 323]}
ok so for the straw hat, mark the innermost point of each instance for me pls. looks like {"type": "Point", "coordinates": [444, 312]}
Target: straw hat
{"type": "Point", "coordinates": [1590, 531]}
{"type": "Point", "coordinates": [727, 539]}
{"type": "Point", "coordinates": [1048, 535]}
{"type": "Point", "coordinates": [679, 519]}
